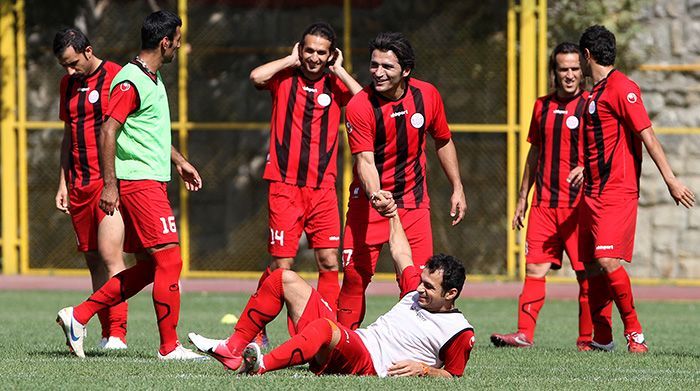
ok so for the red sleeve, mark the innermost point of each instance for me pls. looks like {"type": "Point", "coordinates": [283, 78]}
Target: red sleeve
{"type": "Point", "coordinates": [62, 105]}
{"type": "Point", "coordinates": [360, 124]}
{"type": "Point", "coordinates": [342, 93]}
{"type": "Point", "coordinates": [438, 128]}
{"type": "Point", "coordinates": [274, 83]}
{"type": "Point", "coordinates": [123, 101]}
{"type": "Point", "coordinates": [455, 353]}
{"type": "Point", "coordinates": [630, 106]}
{"type": "Point", "coordinates": [409, 281]}
{"type": "Point", "coordinates": [533, 136]}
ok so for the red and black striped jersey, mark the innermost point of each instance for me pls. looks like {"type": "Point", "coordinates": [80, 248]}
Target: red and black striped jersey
{"type": "Point", "coordinates": [304, 128]}
{"type": "Point", "coordinates": [396, 132]}
{"type": "Point", "coordinates": [613, 152]}
{"type": "Point", "coordinates": [556, 129]}
{"type": "Point", "coordinates": [84, 101]}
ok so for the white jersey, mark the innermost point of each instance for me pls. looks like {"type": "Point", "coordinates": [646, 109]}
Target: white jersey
{"type": "Point", "coordinates": [409, 332]}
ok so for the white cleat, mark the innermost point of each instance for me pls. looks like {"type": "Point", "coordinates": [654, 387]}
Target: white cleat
{"type": "Point", "coordinates": [252, 359]}
{"type": "Point", "coordinates": [182, 353]}
{"type": "Point", "coordinates": [74, 331]}
{"type": "Point", "coordinates": [112, 343]}
{"type": "Point", "coordinates": [204, 344]}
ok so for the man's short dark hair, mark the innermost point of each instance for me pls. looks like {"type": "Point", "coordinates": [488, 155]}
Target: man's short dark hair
{"type": "Point", "coordinates": [323, 30]}
{"type": "Point", "coordinates": [158, 25]}
{"type": "Point", "coordinates": [453, 273]}
{"type": "Point", "coordinates": [70, 37]}
{"type": "Point", "coordinates": [397, 43]}
{"type": "Point", "coordinates": [600, 42]}
{"type": "Point", "coordinates": [563, 48]}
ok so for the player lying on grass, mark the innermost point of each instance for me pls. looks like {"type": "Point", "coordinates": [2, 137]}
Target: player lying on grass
{"type": "Point", "coordinates": [423, 335]}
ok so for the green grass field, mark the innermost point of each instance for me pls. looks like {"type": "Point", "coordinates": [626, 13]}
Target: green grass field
{"type": "Point", "coordinates": [33, 354]}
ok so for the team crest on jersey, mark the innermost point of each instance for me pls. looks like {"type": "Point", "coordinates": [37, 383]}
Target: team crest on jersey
{"type": "Point", "coordinates": [323, 100]}
{"type": "Point", "coordinates": [632, 98]}
{"type": "Point", "coordinates": [572, 122]}
{"type": "Point", "coordinates": [417, 120]}
{"type": "Point", "coordinates": [125, 86]}
{"type": "Point", "coordinates": [591, 107]}
{"type": "Point", "coordinates": [93, 96]}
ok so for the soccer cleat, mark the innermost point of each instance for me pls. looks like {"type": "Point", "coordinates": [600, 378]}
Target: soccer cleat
{"type": "Point", "coordinates": [112, 343]}
{"type": "Point", "coordinates": [518, 340]}
{"type": "Point", "coordinates": [252, 359]}
{"type": "Point", "coordinates": [261, 339]}
{"type": "Point", "coordinates": [74, 331]}
{"type": "Point", "coordinates": [584, 346]}
{"type": "Point", "coordinates": [182, 353]}
{"type": "Point", "coordinates": [216, 348]}
{"type": "Point", "coordinates": [636, 343]}
{"type": "Point", "coordinates": [602, 347]}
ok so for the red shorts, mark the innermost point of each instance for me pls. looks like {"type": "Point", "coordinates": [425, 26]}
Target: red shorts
{"type": "Point", "coordinates": [148, 218]}
{"type": "Point", "coordinates": [294, 209]}
{"type": "Point", "coordinates": [366, 231]}
{"type": "Point", "coordinates": [316, 308]}
{"type": "Point", "coordinates": [349, 357]}
{"type": "Point", "coordinates": [550, 232]}
{"type": "Point", "coordinates": [607, 228]}
{"type": "Point", "coordinates": [86, 214]}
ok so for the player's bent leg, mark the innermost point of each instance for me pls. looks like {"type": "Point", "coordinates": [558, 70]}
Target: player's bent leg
{"type": "Point", "coordinates": [585, 325]}
{"type": "Point", "coordinates": [357, 274]}
{"type": "Point", "coordinates": [328, 284]}
{"type": "Point", "coordinates": [98, 277]}
{"type": "Point", "coordinates": [277, 263]}
{"type": "Point", "coordinates": [110, 241]}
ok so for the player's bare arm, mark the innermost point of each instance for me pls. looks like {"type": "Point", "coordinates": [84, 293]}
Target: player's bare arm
{"type": "Point", "coordinates": [680, 193]}
{"type": "Point", "coordinates": [399, 246]}
{"type": "Point", "coordinates": [414, 368]}
{"type": "Point", "coordinates": [109, 200]}
{"type": "Point", "coordinates": [447, 154]}
{"type": "Point", "coordinates": [525, 186]}
{"type": "Point", "coordinates": [189, 174]}
{"type": "Point", "coordinates": [369, 177]}
{"type": "Point", "coordinates": [62, 192]}
{"type": "Point", "coordinates": [337, 69]}
{"type": "Point", "coordinates": [262, 74]}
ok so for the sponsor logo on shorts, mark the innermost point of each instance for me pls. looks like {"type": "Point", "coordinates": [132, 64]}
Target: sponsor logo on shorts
{"type": "Point", "coordinates": [334, 238]}
{"type": "Point", "coordinates": [605, 247]}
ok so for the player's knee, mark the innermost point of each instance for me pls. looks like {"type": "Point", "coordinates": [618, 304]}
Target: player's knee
{"type": "Point", "coordinates": [537, 270]}
{"type": "Point", "coordinates": [289, 277]}
{"type": "Point", "coordinates": [281, 263]}
{"type": "Point", "coordinates": [328, 262]}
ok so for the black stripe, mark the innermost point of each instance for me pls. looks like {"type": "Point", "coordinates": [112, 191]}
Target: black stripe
{"type": "Point", "coordinates": [556, 156]}
{"type": "Point", "coordinates": [637, 157]}
{"type": "Point", "coordinates": [603, 166]}
{"type": "Point", "coordinates": [71, 162]}
{"type": "Point", "coordinates": [282, 150]}
{"type": "Point", "coordinates": [324, 156]}
{"type": "Point", "coordinates": [379, 138]}
{"type": "Point", "coordinates": [307, 121]}
{"type": "Point", "coordinates": [401, 154]}
{"type": "Point", "coordinates": [97, 106]}
{"type": "Point", "coordinates": [539, 175]}
{"type": "Point", "coordinates": [419, 177]}
{"type": "Point", "coordinates": [573, 146]}
{"type": "Point", "coordinates": [80, 132]}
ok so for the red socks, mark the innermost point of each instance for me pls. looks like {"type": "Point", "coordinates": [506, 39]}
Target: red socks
{"type": "Point", "coordinates": [117, 289]}
{"type": "Point", "coordinates": [328, 287]}
{"type": "Point", "coordinates": [263, 277]}
{"type": "Point", "coordinates": [166, 295]}
{"type": "Point", "coordinates": [585, 325]}
{"type": "Point", "coordinates": [301, 348]}
{"type": "Point", "coordinates": [600, 304]}
{"type": "Point", "coordinates": [113, 321]}
{"type": "Point", "coordinates": [264, 306]}
{"type": "Point", "coordinates": [351, 300]}
{"type": "Point", "coordinates": [622, 294]}
{"type": "Point", "coordinates": [529, 304]}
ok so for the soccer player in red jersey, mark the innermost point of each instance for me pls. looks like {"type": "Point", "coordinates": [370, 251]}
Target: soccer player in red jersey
{"type": "Point", "coordinates": [555, 166]}
{"type": "Point", "coordinates": [616, 126]}
{"type": "Point", "coordinates": [135, 154]}
{"type": "Point", "coordinates": [84, 95]}
{"type": "Point", "coordinates": [388, 124]}
{"type": "Point", "coordinates": [308, 89]}
{"type": "Point", "coordinates": [422, 335]}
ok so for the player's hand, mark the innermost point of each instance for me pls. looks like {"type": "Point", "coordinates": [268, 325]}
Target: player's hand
{"type": "Point", "coordinates": [681, 193]}
{"type": "Point", "coordinates": [575, 177]}
{"type": "Point", "coordinates": [109, 199]}
{"type": "Point", "coordinates": [189, 174]}
{"type": "Point", "coordinates": [458, 207]}
{"type": "Point", "coordinates": [336, 61]}
{"type": "Point", "coordinates": [294, 58]}
{"type": "Point", "coordinates": [62, 199]}
{"type": "Point", "coordinates": [383, 202]}
{"type": "Point", "coordinates": [406, 368]}
{"type": "Point", "coordinates": [519, 217]}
